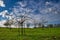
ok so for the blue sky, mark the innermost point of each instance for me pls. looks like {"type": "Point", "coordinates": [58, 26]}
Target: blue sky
{"type": "Point", "coordinates": [8, 4]}
{"type": "Point", "coordinates": [41, 8]}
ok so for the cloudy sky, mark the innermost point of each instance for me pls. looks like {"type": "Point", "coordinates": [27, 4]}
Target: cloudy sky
{"type": "Point", "coordinates": [48, 10]}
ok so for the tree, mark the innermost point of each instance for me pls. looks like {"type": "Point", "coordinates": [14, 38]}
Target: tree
{"type": "Point", "coordinates": [43, 21]}
{"type": "Point", "coordinates": [8, 23]}
{"type": "Point", "coordinates": [50, 25]}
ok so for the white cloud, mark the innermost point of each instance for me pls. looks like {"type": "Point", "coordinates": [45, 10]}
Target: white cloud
{"type": "Point", "coordinates": [50, 10]}
{"type": "Point", "coordinates": [22, 4]}
{"type": "Point", "coordinates": [47, 3]}
{"type": "Point", "coordinates": [46, 10]}
{"type": "Point", "coordinates": [2, 3]}
{"type": "Point", "coordinates": [3, 13]}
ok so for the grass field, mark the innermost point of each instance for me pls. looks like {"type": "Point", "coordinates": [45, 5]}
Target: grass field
{"type": "Point", "coordinates": [30, 34]}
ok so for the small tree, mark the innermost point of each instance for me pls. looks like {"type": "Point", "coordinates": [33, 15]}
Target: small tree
{"type": "Point", "coordinates": [28, 25]}
{"type": "Point", "coordinates": [43, 21]}
{"type": "Point", "coordinates": [8, 23]}
{"type": "Point", "coordinates": [50, 25]}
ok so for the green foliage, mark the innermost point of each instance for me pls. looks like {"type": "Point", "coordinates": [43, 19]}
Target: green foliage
{"type": "Point", "coordinates": [30, 34]}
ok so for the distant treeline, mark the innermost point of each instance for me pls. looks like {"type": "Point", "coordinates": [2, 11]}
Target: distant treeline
{"type": "Point", "coordinates": [49, 26]}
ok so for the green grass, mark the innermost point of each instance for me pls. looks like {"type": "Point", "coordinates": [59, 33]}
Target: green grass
{"type": "Point", "coordinates": [30, 34]}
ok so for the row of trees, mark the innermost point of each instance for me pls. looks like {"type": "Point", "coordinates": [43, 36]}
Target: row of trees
{"type": "Point", "coordinates": [21, 21]}
{"type": "Point", "coordinates": [48, 26]}
{"type": "Point", "coordinates": [53, 25]}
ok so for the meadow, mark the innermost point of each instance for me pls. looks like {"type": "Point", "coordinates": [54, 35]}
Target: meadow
{"type": "Point", "coordinates": [30, 34]}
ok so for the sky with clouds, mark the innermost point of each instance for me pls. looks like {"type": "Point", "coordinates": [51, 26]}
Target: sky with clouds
{"type": "Point", "coordinates": [48, 10]}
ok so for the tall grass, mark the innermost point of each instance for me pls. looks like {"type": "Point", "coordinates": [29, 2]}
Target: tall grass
{"type": "Point", "coordinates": [30, 34]}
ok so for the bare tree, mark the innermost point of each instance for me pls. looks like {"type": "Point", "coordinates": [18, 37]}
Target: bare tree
{"type": "Point", "coordinates": [43, 21]}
